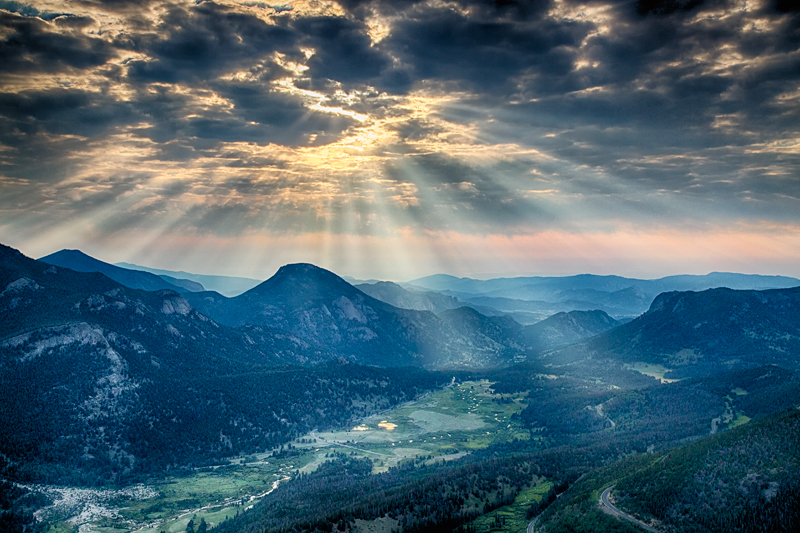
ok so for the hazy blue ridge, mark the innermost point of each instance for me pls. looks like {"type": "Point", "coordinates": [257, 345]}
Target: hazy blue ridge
{"type": "Point", "coordinates": [227, 285]}
{"type": "Point", "coordinates": [535, 298]}
{"type": "Point", "coordinates": [133, 279]}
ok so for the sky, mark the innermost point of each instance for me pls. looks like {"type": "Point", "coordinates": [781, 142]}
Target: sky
{"type": "Point", "coordinates": [395, 139]}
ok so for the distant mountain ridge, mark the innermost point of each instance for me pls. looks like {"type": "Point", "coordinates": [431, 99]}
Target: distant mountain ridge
{"type": "Point", "coordinates": [567, 328]}
{"type": "Point", "coordinates": [396, 295]}
{"type": "Point", "coordinates": [133, 279]}
{"type": "Point", "coordinates": [324, 310]}
{"type": "Point", "coordinates": [441, 282]}
{"type": "Point", "coordinates": [226, 285]}
{"type": "Point", "coordinates": [618, 296]}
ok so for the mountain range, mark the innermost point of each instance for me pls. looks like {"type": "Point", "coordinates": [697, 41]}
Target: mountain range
{"type": "Point", "coordinates": [329, 313]}
{"type": "Point", "coordinates": [530, 299]}
{"type": "Point", "coordinates": [335, 319]}
{"type": "Point", "coordinates": [104, 381]}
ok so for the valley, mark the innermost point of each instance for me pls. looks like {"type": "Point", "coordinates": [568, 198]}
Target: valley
{"type": "Point", "coordinates": [304, 404]}
{"type": "Point", "coordinates": [442, 425]}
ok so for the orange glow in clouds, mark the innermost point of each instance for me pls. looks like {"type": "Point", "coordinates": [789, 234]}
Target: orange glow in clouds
{"type": "Point", "coordinates": [407, 254]}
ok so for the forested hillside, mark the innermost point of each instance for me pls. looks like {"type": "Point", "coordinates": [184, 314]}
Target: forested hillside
{"type": "Point", "coordinates": [700, 333]}
{"type": "Point", "coordinates": [579, 429]}
{"type": "Point", "coordinates": [104, 384]}
{"type": "Point", "coordinates": [744, 480]}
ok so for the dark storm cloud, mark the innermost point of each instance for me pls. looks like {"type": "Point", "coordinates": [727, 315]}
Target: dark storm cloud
{"type": "Point", "coordinates": [481, 55]}
{"type": "Point", "coordinates": [656, 93]}
{"type": "Point", "coordinates": [118, 5]}
{"type": "Point", "coordinates": [785, 6]}
{"type": "Point", "coordinates": [362, 8]}
{"type": "Point", "coordinates": [487, 9]}
{"type": "Point", "coordinates": [74, 21]}
{"type": "Point", "coordinates": [198, 43]}
{"type": "Point", "coordinates": [45, 132]}
{"type": "Point", "coordinates": [29, 45]}
{"type": "Point", "coordinates": [650, 106]}
{"type": "Point", "coordinates": [258, 115]}
{"type": "Point", "coordinates": [662, 8]}
{"type": "Point", "coordinates": [62, 111]}
{"type": "Point", "coordinates": [204, 41]}
{"type": "Point", "coordinates": [343, 49]}
{"type": "Point", "coordinates": [193, 46]}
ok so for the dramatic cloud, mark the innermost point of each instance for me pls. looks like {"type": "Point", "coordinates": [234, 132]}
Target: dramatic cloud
{"type": "Point", "coordinates": [360, 125]}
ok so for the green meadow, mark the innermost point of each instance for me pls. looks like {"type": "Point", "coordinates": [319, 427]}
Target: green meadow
{"type": "Point", "coordinates": [512, 517]}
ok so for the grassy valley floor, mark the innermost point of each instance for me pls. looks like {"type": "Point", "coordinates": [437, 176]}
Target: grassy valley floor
{"type": "Point", "coordinates": [445, 424]}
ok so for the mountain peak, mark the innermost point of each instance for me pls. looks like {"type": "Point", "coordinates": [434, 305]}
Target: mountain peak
{"type": "Point", "coordinates": [306, 272]}
{"type": "Point", "coordinates": [134, 279]}
{"type": "Point", "coordinates": [303, 269]}
{"type": "Point", "coordinates": [73, 257]}
{"type": "Point", "coordinates": [303, 280]}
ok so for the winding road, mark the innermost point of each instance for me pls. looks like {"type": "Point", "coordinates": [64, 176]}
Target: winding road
{"type": "Point", "coordinates": [622, 514]}
{"type": "Point", "coordinates": [533, 523]}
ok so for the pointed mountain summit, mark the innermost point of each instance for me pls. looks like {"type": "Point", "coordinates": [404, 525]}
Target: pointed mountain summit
{"type": "Point", "coordinates": [289, 296]}
{"type": "Point", "coordinates": [324, 310]}
{"type": "Point", "coordinates": [133, 279]}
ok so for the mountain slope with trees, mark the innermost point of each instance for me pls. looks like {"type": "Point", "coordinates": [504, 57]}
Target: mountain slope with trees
{"type": "Point", "coordinates": [103, 383]}
{"type": "Point", "coordinates": [327, 312]}
{"type": "Point", "coordinates": [700, 333]}
{"type": "Point", "coordinates": [743, 480]}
